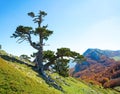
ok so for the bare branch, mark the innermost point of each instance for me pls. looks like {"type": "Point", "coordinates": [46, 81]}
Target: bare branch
{"type": "Point", "coordinates": [22, 40]}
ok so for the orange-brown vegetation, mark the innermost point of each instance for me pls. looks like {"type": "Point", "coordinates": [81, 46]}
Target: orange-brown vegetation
{"type": "Point", "coordinates": [112, 83]}
{"type": "Point", "coordinates": [106, 73]}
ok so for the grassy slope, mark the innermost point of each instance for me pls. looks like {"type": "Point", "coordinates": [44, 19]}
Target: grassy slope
{"type": "Point", "coordinates": [73, 86]}
{"type": "Point", "coordinates": [18, 78]}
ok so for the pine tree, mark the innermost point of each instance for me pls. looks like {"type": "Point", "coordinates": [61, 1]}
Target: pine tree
{"type": "Point", "coordinates": [61, 67]}
{"type": "Point", "coordinates": [26, 33]}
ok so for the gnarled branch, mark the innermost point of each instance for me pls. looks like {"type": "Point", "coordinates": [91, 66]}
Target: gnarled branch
{"type": "Point", "coordinates": [32, 43]}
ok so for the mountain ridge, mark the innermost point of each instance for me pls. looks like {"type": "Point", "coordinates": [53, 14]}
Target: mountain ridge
{"type": "Point", "coordinates": [99, 67]}
{"type": "Point", "coordinates": [107, 53]}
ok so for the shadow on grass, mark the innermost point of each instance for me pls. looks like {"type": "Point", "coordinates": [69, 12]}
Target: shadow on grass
{"type": "Point", "coordinates": [13, 59]}
{"type": "Point", "coordinates": [47, 78]}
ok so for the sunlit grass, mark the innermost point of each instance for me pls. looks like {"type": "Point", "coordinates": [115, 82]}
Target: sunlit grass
{"type": "Point", "coordinates": [18, 78]}
{"type": "Point", "coordinates": [74, 86]}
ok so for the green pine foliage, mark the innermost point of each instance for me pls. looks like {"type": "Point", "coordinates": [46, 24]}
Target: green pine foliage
{"type": "Point", "coordinates": [61, 67]}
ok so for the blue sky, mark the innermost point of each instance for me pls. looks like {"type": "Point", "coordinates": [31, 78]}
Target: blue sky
{"type": "Point", "coordinates": [77, 24]}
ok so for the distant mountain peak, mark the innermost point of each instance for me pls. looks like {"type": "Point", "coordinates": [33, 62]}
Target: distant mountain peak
{"type": "Point", "coordinates": [95, 53]}
{"type": "Point", "coordinates": [101, 67]}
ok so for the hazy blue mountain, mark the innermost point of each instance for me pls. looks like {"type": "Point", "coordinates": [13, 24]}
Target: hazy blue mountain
{"type": "Point", "coordinates": [95, 54]}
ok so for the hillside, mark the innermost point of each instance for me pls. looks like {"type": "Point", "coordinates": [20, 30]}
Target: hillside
{"type": "Point", "coordinates": [19, 78]}
{"type": "Point", "coordinates": [99, 67]}
{"type": "Point", "coordinates": [97, 53]}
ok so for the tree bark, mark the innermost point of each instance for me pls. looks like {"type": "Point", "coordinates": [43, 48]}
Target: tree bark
{"type": "Point", "coordinates": [40, 52]}
{"type": "Point", "coordinates": [40, 60]}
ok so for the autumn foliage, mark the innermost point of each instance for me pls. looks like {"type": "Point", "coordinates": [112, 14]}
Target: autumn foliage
{"type": "Point", "coordinates": [106, 72]}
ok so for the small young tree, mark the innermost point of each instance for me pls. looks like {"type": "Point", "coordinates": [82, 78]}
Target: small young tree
{"type": "Point", "coordinates": [25, 33]}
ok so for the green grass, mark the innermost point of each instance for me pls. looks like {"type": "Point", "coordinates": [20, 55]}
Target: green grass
{"type": "Point", "coordinates": [2, 52]}
{"type": "Point", "coordinates": [116, 58]}
{"type": "Point", "coordinates": [73, 86]}
{"type": "Point", "coordinates": [18, 78]}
